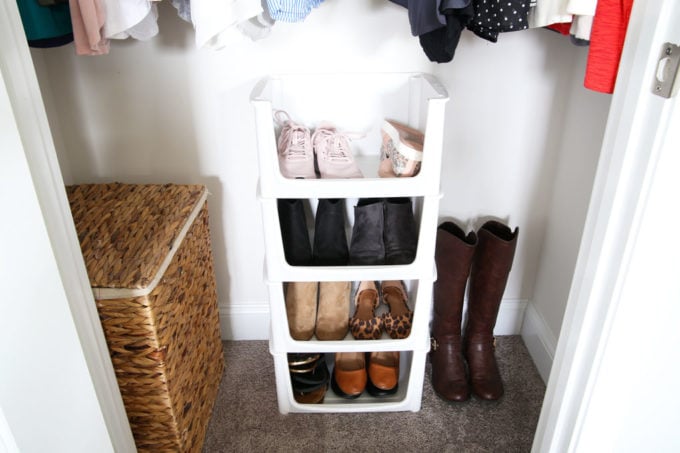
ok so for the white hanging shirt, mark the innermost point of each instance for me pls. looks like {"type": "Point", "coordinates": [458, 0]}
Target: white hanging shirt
{"type": "Point", "coordinates": [583, 11]}
{"type": "Point", "coordinates": [579, 12]}
{"type": "Point", "coordinates": [547, 12]}
{"type": "Point", "coordinates": [215, 21]}
{"type": "Point", "coordinates": [131, 18]}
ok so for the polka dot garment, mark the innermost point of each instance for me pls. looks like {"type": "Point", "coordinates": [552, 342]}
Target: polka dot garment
{"type": "Point", "coordinates": [496, 16]}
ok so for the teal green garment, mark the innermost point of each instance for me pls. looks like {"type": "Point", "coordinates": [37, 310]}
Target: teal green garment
{"type": "Point", "coordinates": [44, 22]}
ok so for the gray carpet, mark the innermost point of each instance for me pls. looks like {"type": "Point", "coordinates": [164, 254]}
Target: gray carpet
{"type": "Point", "coordinates": [246, 417]}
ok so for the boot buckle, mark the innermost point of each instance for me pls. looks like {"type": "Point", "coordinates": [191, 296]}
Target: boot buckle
{"type": "Point", "coordinates": [434, 345]}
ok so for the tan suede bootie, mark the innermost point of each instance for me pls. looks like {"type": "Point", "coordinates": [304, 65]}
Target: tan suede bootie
{"type": "Point", "coordinates": [301, 308]}
{"type": "Point", "coordinates": [332, 319]}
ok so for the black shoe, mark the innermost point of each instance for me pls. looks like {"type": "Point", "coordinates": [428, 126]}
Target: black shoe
{"type": "Point", "coordinates": [309, 377]}
{"type": "Point", "coordinates": [330, 241]}
{"type": "Point", "coordinates": [366, 246]}
{"type": "Point", "coordinates": [400, 232]}
{"type": "Point", "coordinates": [296, 244]}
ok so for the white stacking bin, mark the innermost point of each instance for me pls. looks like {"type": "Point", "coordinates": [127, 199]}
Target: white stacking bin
{"type": "Point", "coordinates": [407, 398]}
{"type": "Point", "coordinates": [357, 103]}
{"type": "Point", "coordinates": [426, 213]}
{"type": "Point", "coordinates": [419, 292]}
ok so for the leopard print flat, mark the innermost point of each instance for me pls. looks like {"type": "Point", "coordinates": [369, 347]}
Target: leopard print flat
{"type": "Point", "coordinates": [365, 325]}
{"type": "Point", "coordinates": [398, 321]}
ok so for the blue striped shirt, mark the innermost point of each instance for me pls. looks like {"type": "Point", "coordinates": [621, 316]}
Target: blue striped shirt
{"type": "Point", "coordinates": [291, 10]}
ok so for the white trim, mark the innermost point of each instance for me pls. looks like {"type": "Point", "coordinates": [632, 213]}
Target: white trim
{"type": "Point", "coordinates": [635, 126]}
{"type": "Point", "coordinates": [539, 340]}
{"type": "Point", "coordinates": [510, 317]}
{"type": "Point", "coordinates": [245, 321]}
{"type": "Point", "coordinates": [250, 321]}
{"type": "Point", "coordinates": [7, 442]}
{"type": "Point", "coordinates": [17, 68]}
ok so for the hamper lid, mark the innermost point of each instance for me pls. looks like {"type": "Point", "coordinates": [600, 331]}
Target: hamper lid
{"type": "Point", "coordinates": [129, 233]}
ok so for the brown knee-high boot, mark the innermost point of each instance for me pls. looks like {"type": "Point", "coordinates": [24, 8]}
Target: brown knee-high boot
{"type": "Point", "coordinates": [488, 277]}
{"type": "Point", "coordinates": [453, 255]}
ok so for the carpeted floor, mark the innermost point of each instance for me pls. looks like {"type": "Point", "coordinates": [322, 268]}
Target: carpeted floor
{"type": "Point", "coordinates": [246, 417]}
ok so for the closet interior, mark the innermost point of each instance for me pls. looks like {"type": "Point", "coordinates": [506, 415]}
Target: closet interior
{"type": "Point", "coordinates": [520, 138]}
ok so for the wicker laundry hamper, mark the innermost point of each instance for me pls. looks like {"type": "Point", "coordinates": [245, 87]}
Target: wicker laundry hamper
{"type": "Point", "coordinates": [148, 257]}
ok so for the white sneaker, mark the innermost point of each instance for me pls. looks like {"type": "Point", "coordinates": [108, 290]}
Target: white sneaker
{"type": "Point", "coordinates": [333, 155]}
{"type": "Point", "coordinates": [296, 157]}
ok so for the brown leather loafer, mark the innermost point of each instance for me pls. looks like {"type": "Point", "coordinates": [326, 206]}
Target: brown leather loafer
{"type": "Point", "coordinates": [349, 374]}
{"type": "Point", "coordinates": [383, 373]}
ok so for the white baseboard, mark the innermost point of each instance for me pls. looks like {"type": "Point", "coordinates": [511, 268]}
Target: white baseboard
{"type": "Point", "coordinates": [510, 317]}
{"type": "Point", "coordinates": [539, 340]}
{"type": "Point", "coordinates": [251, 321]}
{"type": "Point", "coordinates": [244, 321]}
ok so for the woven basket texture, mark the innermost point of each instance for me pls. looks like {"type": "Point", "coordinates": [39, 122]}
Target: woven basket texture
{"type": "Point", "coordinates": [165, 347]}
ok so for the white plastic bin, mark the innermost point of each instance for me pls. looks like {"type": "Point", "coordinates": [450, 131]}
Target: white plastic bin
{"type": "Point", "coordinates": [355, 103]}
{"type": "Point", "coordinates": [426, 212]}
{"type": "Point", "coordinates": [419, 296]}
{"type": "Point", "coordinates": [407, 398]}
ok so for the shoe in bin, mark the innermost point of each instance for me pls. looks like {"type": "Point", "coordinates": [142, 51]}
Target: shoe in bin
{"type": "Point", "coordinates": [309, 377]}
{"type": "Point", "coordinates": [296, 156]}
{"type": "Point", "coordinates": [383, 373]}
{"type": "Point", "coordinates": [333, 154]}
{"type": "Point", "coordinates": [349, 374]}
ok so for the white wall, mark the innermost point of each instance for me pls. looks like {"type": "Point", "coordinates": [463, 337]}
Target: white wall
{"type": "Point", "coordinates": [45, 385]}
{"type": "Point", "coordinates": [578, 140]}
{"type": "Point", "coordinates": [162, 111]}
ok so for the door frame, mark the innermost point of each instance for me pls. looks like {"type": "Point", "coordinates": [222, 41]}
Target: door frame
{"type": "Point", "coordinates": [634, 137]}
{"type": "Point", "coordinates": [21, 83]}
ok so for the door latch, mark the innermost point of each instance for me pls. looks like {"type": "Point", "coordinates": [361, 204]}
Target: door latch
{"type": "Point", "coordinates": [667, 71]}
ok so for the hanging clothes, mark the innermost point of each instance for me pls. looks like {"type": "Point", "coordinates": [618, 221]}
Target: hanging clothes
{"type": "Point", "coordinates": [440, 45]}
{"type": "Point", "coordinates": [581, 27]}
{"type": "Point", "coordinates": [87, 18]}
{"type": "Point", "coordinates": [46, 26]}
{"type": "Point", "coordinates": [548, 12]}
{"type": "Point", "coordinates": [183, 8]}
{"type": "Point", "coordinates": [291, 10]}
{"type": "Point", "coordinates": [438, 25]}
{"type": "Point", "coordinates": [606, 44]}
{"type": "Point", "coordinates": [583, 12]}
{"type": "Point", "coordinates": [216, 22]}
{"type": "Point", "coordinates": [131, 19]}
{"type": "Point", "coordinates": [498, 16]}
{"type": "Point", "coordinates": [557, 13]}
{"type": "Point", "coordinates": [258, 27]}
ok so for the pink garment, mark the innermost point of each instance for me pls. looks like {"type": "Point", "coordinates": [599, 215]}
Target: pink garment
{"type": "Point", "coordinates": [87, 18]}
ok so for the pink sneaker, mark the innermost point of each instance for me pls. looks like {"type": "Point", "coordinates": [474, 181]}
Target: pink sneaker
{"type": "Point", "coordinates": [296, 158]}
{"type": "Point", "coordinates": [333, 155]}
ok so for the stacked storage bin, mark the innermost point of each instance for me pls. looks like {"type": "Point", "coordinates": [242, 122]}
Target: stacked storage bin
{"type": "Point", "coordinates": [355, 102]}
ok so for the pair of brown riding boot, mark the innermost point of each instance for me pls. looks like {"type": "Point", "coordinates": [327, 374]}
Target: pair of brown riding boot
{"type": "Point", "coordinates": [486, 258]}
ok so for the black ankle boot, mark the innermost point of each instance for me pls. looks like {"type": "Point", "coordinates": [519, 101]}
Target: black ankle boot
{"type": "Point", "coordinates": [296, 245]}
{"type": "Point", "coordinates": [366, 246]}
{"type": "Point", "coordinates": [401, 231]}
{"type": "Point", "coordinates": [330, 241]}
